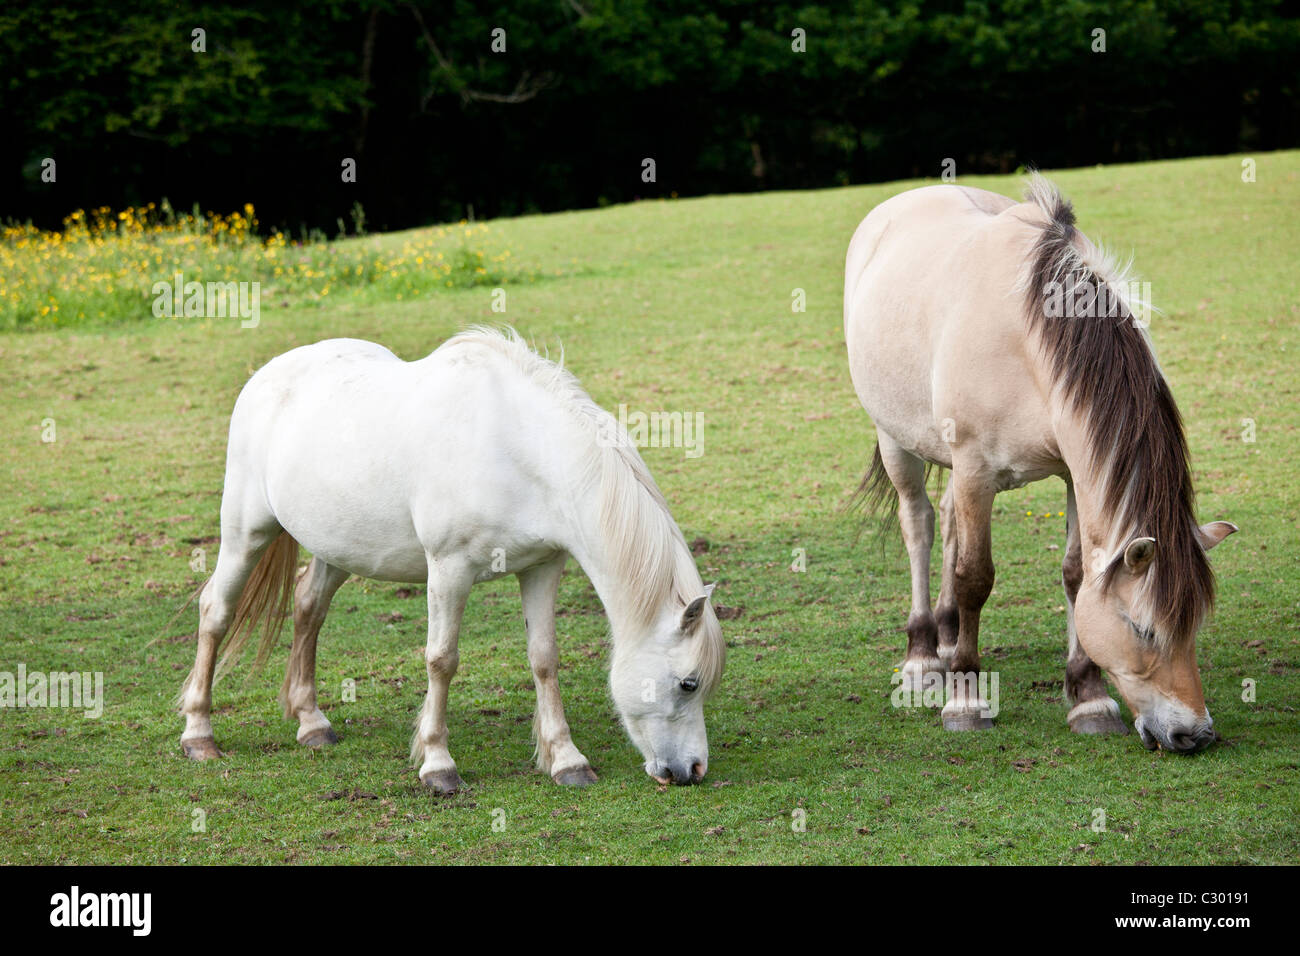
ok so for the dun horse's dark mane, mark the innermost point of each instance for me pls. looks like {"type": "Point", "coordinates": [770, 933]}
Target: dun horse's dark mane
{"type": "Point", "coordinates": [1110, 378]}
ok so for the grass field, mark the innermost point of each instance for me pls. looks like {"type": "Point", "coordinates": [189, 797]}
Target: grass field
{"type": "Point", "coordinates": [669, 305]}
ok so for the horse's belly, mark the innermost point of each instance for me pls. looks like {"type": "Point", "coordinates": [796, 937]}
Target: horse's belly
{"type": "Point", "coordinates": [892, 378]}
{"type": "Point", "coordinates": [373, 543]}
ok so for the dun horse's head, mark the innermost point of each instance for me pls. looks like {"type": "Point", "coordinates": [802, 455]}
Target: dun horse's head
{"type": "Point", "coordinates": [1127, 627]}
{"type": "Point", "coordinates": [660, 683]}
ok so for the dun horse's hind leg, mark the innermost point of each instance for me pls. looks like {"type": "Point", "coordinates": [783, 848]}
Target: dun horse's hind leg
{"type": "Point", "coordinates": [236, 560]}
{"type": "Point", "coordinates": [966, 707]}
{"type": "Point", "coordinates": [945, 612]}
{"type": "Point", "coordinates": [311, 602]}
{"type": "Point", "coordinates": [449, 584]}
{"type": "Point", "coordinates": [556, 754]}
{"type": "Point", "coordinates": [922, 668]}
{"type": "Point", "coordinates": [1092, 710]}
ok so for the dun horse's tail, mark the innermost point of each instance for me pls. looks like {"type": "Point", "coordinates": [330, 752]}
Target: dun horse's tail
{"type": "Point", "coordinates": [267, 599]}
{"type": "Point", "coordinates": [876, 495]}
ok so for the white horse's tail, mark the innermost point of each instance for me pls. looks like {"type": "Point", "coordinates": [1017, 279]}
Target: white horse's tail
{"type": "Point", "coordinates": [267, 598]}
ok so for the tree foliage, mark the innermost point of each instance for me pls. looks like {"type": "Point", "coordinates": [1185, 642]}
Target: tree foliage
{"type": "Point", "coordinates": [585, 90]}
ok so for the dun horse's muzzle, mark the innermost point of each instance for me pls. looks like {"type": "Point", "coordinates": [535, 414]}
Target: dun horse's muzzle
{"type": "Point", "coordinates": [1179, 740]}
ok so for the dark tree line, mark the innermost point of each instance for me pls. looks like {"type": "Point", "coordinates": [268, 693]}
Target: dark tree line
{"type": "Point", "coordinates": [586, 90]}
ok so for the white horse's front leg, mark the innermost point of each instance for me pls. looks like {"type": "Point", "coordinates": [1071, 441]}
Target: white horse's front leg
{"type": "Point", "coordinates": [449, 584]}
{"type": "Point", "coordinates": [556, 754]}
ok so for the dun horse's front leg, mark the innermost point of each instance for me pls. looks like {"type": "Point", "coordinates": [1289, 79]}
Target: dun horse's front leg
{"type": "Point", "coordinates": [1092, 710]}
{"type": "Point", "coordinates": [967, 707]}
{"type": "Point", "coordinates": [556, 753]}
{"type": "Point", "coordinates": [449, 586]}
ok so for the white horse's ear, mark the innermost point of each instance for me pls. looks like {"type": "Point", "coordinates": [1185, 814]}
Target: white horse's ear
{"type": "Point", "coordinates": [1138, 554]}
{"type": "Point", "coordinates": [695, 610]}
{"type": "Point", "coordinates": [1211, 534]}
{"type": "Point", "coordinates": [708, 588]}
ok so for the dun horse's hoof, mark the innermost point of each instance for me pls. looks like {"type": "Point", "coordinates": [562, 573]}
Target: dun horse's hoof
{"type": "Point", "coordinates": [1096, 717]}
{"type": "Point", "coordinates": [320, 737]}
{"type": "Point", "coordinates": [1098, 724]}
{"type": "Point", "coordinates": [575, 777]}
{"type": "Point", "coordinates": [443, 781]}
{"type": "Point", "coordinates": [200, 748]}
{"type": "Point", "coordinates": [921, 674]}
{"type": "Point", "coordinates": [966, 720]}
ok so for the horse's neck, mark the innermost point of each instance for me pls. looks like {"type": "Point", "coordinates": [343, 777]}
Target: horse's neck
{"type": "Point", "coordinates": [1087, 482]}
{"type": "Point", "coordinates": [599, 553]}
{"type": "Point", "coordinates": [1097, 537]}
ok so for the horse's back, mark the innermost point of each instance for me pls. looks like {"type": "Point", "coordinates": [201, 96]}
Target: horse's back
{"type": "Point", "coordinates": [933, 321]}
{"type": "Point", "coordinates": [372, 462]}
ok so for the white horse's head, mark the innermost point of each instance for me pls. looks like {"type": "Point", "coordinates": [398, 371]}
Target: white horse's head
{"type": "Point", "coordinates": [659, 684]}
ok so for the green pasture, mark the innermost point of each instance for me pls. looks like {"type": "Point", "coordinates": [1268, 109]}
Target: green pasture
{"type": "Point", "coordinates": [686, 306]}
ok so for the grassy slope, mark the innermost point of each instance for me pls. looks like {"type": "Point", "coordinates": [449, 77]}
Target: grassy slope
{"type": "Point", "coordinates": [681, 306]}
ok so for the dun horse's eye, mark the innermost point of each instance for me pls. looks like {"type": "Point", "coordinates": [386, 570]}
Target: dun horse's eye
{"type": "Point", "coordinates": [1146, 634]}
{"type": "Point", "coordinates": [689, 684]}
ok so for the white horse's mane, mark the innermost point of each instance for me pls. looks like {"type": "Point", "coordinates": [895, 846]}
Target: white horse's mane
{"type": "Point", "coordinates": [651, 559]}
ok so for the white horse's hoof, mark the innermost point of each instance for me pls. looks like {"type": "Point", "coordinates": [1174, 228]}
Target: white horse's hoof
{"type": "Point", "coordinates": [200, 748]}
{"type": "Point", "coordinates": [575, 777]}
{"type": "Point", "coordinates": [443, 781]}
{"type": "Point", "coordinates": [320, 737]}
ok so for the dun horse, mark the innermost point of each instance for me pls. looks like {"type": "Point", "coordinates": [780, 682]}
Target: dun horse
{"type": "Point", "coordinates": [481, 460]}
{"type": "Point", "coordinates": [992, 338]}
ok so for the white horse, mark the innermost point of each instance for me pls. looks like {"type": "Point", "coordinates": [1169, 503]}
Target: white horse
{"type": "Point", "coordinates": [482, 459]}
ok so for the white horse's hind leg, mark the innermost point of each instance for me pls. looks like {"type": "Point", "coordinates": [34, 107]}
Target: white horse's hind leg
{"type": "Point", "coordinates": [236, 560]}
{"type": "Point", "coordinates": [449, 585]}
{"type": "Point", "coordinates": [922, 668]}
{"type": "Point", "coordinates": [311, 602]}
{"type": "Point", "coordinates": [556, 753]}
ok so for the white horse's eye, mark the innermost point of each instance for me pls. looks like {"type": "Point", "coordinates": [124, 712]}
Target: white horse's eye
{"type": "Point", "coordinates": [689, 684]}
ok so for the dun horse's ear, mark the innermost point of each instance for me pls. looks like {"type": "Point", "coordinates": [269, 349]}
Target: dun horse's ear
{"type": "Point", "coordinates": [1211, 534]}
{"type": "Point", "coordinates": [1138, 554]}
{"type": "Point", "coordinates": [694, 611]}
